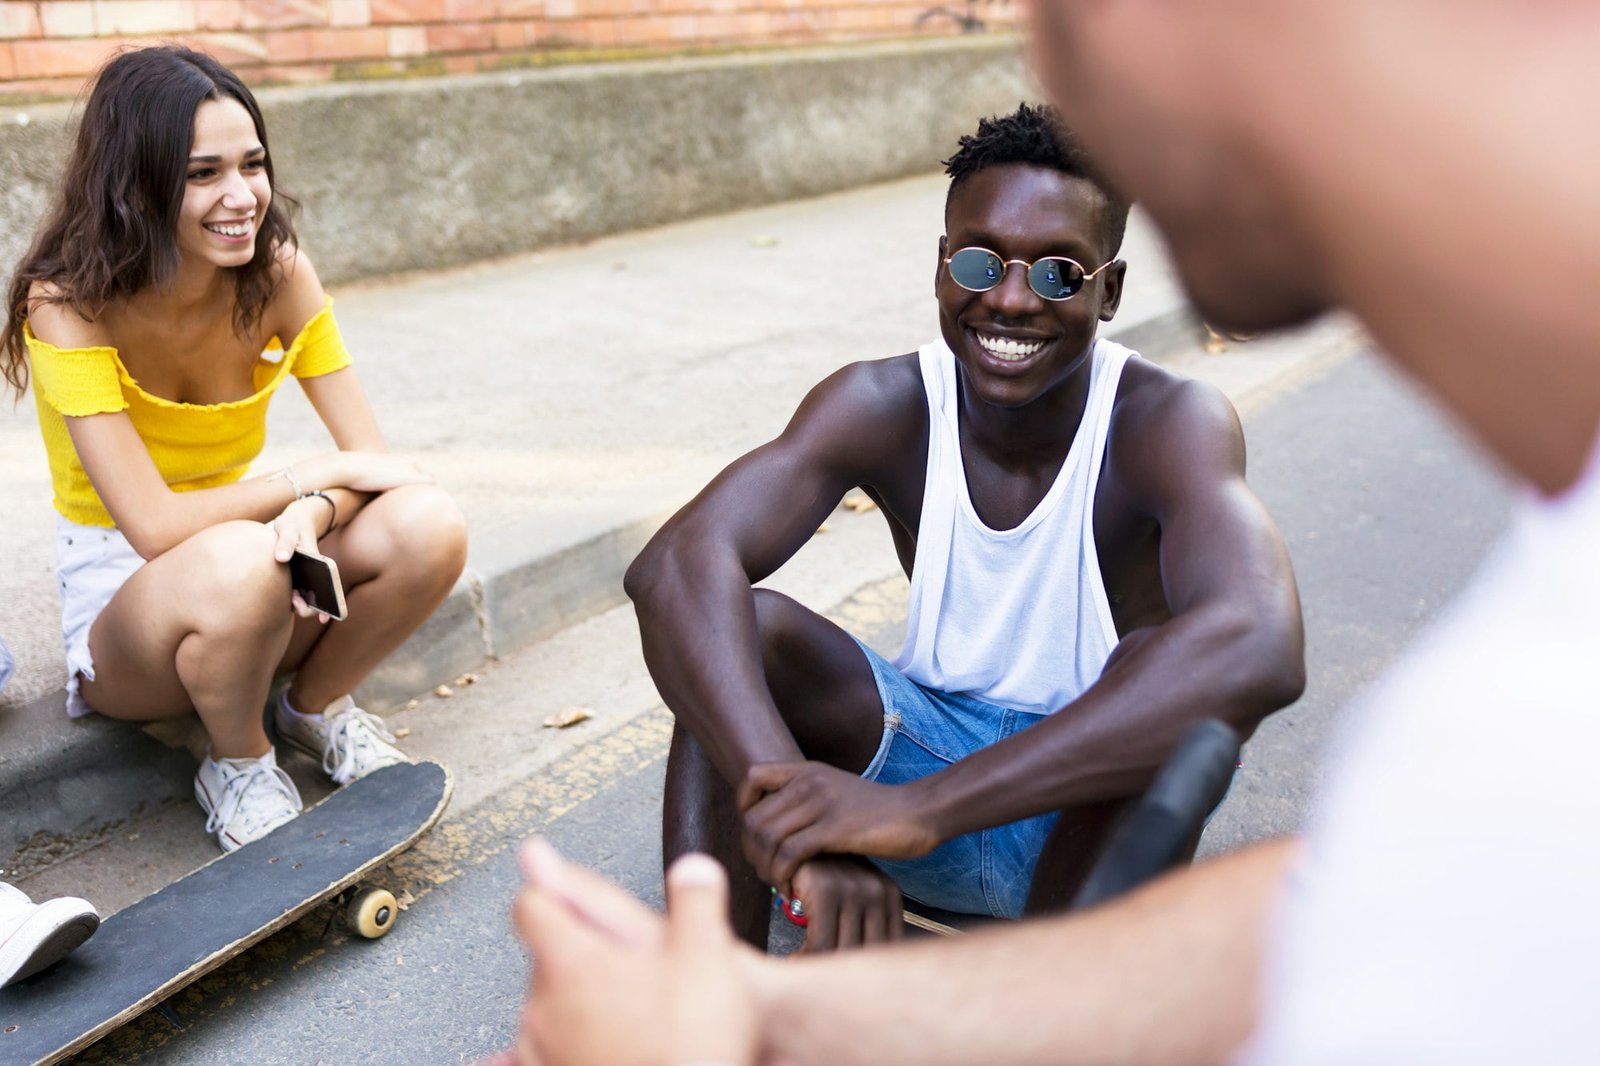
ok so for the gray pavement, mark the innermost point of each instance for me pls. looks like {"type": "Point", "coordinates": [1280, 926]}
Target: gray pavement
{"type": "Point", "coordinates": [569, 400]}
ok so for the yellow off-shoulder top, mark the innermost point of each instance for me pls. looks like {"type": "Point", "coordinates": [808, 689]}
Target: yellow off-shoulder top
{"type": "Point", "coordinates": [195, 446]}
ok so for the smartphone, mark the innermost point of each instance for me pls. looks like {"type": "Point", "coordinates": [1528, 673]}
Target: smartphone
{"type": "Point", "coordinates": [316, 578]}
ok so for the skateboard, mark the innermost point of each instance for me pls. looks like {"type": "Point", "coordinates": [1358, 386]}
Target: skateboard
{"type": "Point", "coordinates": [1157, 834]}
{"type": "Point", "coordinates": [146, 952]}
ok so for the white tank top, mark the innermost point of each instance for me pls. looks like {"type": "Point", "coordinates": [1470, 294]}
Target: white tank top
{"type": "Point", "coordinates": [1018, 617]}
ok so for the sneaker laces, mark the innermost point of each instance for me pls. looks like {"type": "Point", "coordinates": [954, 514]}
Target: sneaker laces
{"type": "Point", "coordinates": [250, 805]}
{"type": "Point", "coordinates": [351, 734]}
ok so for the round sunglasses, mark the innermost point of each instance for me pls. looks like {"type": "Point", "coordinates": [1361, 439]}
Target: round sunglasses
{"type": "Point", "coordinates": [1053, 278]}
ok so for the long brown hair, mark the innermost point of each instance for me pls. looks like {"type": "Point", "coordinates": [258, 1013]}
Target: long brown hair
{"type": "Point", "coordinates": [112, 230]}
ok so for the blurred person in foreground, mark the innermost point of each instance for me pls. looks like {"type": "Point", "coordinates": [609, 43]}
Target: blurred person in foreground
{"type": "Point", "coordinates": [1430, 166]}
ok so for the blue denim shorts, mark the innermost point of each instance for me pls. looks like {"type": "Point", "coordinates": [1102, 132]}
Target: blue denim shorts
{"type": "Point", "coordinates": [984, 872]}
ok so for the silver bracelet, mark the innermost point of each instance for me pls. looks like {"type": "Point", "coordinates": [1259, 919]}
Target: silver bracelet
{"type": "Point", "coordinates": [287, 473]}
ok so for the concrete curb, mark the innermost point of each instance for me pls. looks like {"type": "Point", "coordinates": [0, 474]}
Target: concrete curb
{"type": "Point", "coordinates": [77, 780]}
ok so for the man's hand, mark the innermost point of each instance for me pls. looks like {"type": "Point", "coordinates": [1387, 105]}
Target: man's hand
{"type": "Point", "coordinates": [796, 811]}
{"type": "Point", "coordinates": [847, 902]}
{"type": "Point", "coordinates": [614, 983]}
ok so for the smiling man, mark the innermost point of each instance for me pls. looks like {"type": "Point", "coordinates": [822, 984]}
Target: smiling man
{"type": "Point", "coordinates": [1089, 574]}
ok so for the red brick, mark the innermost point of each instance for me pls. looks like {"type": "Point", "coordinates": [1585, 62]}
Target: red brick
{"type": "Point", "coordinates": [471, 37]}
{"type": "Point", "coordinates": [144, 16]}
{"type": "Point", "coordinates": [556, 9]}
{"type": "Point", "coordinates": [522, 8]}
{"type": "Point", "coordinates": [350, 13]}
{"type": "Point", "coordinates": [231, 49]}
{"type": "Point", "coordinates": [219, 14]}
{"type": "Point", "coordinates": [287, 46]}
{"type": "Point", "coordinates": [19, 19]}
{"type": "Point", "coordinates": [351, 43]}
{"type": "Point", "coordinates": [8, 62]}
{"type": "Point", "coordinates": [299, 74]}
{"type": "Point", "coordinates": [471, 10]}
{"type": "Point", "coordinates": [56, 59]}
{"type": "Point", "coordinates": [643, 30]}
{"type": "Point", "coordinates": [585, 33]}
{"type": "Point", "coordinates": [509, 36]}
{"type": "Point", "coordinates": [462, 65]}
{"type": "Point", "coordinates": [388, 11]}
{"type": "Point", "coordinates": [408, 41]}
{"type": "Point", "coordinates": [284, 14]}
{"type": "Point", "coordinates": [66, 19]}
{"type": "Point", "coordinates": [14, 91]}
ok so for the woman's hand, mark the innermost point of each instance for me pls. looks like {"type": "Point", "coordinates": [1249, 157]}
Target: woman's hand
{"type": "Point", "coordinates": [298, 526]}
{"type": "Point", "coordinates": [360, 472]}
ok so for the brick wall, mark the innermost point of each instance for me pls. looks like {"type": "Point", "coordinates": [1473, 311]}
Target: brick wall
{"type": "Point", "coordinates": [48, 47]}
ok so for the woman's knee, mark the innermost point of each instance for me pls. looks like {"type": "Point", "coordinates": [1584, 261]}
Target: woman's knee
{"type": "Point", "coordinates": [425, 529]}
{"type": "Point", "coordinates": [239, 580]}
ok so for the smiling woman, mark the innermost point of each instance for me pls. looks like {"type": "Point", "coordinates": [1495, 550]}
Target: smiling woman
{"type": "Point", "coordinates": [165, 271]}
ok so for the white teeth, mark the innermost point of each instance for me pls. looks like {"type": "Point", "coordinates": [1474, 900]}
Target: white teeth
{"type": "Point", "coordinates": [229, 229]}
{"type": "Point", "coordinates": [1008, 350]}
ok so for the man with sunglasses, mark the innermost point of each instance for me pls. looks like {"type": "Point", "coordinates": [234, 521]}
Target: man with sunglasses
{"type": "Point", "coordinates": [1090, 573]}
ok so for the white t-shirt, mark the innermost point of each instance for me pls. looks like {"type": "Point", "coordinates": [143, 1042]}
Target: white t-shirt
{"type": "Point", "coordinates": [1448, 909]}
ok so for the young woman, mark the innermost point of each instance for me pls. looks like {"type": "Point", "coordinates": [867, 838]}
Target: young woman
{"type": "Point", "coordinates": [162, 304]}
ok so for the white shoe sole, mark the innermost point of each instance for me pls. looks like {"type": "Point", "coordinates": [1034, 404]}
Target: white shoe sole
{"type": "Point", "coordinates": [46, 936]}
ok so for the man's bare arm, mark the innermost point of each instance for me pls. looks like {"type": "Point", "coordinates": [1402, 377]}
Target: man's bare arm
{"type": "Point", "coordinates": [691, 586]}
{"type": "Point", "coordinates": [1168, 975]}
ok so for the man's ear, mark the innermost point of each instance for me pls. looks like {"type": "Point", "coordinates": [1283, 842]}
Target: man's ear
{"type": "Point", "coordinates": [938, 264]}
{"type": "Point", "coordinates": [1111, 290]}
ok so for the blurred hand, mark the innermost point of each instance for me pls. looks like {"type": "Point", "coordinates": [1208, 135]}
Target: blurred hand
{"type": "Point", "coordinates": [615, 983]}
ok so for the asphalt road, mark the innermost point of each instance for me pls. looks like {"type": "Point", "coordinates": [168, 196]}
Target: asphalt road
{"type": "Point", "coordinates": [1386, 513]}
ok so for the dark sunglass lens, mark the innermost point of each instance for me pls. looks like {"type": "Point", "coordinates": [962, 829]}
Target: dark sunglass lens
{"type": "Point", "coordinates": [976, 269]}
{"type": "Point", "coordinates": [1055, 279]}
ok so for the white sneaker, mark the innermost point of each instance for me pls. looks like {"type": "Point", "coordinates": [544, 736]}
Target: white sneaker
{"type": "Point", "coordinates": [245, 798]}
{"type": "Point", "coordinates": [34, 935]}
{"type": "Point", "coordinates": [350, 742]}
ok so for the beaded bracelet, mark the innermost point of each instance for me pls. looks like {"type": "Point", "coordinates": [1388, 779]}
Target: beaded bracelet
{"type": "Point", "coordinates": [333, 509]}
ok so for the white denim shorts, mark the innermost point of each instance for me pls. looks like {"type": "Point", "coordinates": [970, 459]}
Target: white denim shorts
{"type": "Point", "coordinates": [92, 563]}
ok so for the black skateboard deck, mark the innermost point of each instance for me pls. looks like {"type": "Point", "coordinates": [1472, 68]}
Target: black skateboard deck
{"type": "Point", "coordinates": [146, 952]}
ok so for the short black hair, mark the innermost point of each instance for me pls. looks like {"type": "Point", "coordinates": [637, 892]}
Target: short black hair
{"type": "Point", "coordinates": [1035, 136]}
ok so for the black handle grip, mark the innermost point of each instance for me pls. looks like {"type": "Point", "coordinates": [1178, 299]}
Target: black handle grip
{"type": "Point", "coordinates": [1156, 834]}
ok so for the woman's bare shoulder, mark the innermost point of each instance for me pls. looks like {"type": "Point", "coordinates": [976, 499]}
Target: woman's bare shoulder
{"type": "Point", "coordinates": [54, 320]}
{"type": "Point", "coordinates": [298, 295]}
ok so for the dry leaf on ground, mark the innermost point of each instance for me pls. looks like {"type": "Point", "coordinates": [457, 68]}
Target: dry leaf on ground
{"type": "Point", "coordinates": [444, 692]}
{"type": "Point", "coordinates": [568, 716]}
{"type": "Point", "coordinates": [860, 503]}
